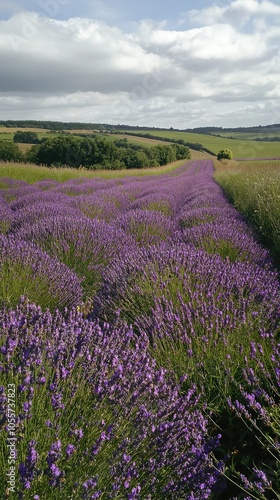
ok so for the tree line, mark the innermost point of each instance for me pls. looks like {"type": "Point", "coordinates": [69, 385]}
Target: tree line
{"type": "Point", "coordinates": [93, 153]}
{"type": "Point", "coordinates": [53, 125]}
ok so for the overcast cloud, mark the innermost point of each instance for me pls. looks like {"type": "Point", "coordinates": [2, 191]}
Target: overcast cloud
{"type": "Point", "coordinates": [113, 62]}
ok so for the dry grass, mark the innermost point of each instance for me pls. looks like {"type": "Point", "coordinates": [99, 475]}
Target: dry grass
{"type": "Point", "coordinates": [24, 147]}
{"type": "Point", "coordinates": [200, 155]}
{"type": "Point", "coordinates": [32, 173]}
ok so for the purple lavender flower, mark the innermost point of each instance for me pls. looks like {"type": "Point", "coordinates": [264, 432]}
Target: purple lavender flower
{"type": "Point", "coordinates": [135, 390]}
{"type": "Point", "coordinates": [70, 449]}
{"type": "Point", "coordinates": [35, 273]}
{"type": "Point", "coordinates": [148, 227]}
{"type": "Point", "coordinates": [53, 470]}
{"type": "Point", "coordinates": [6, 216]}
{"type": "Point", "coordinates": [28, 470]}
{"type": "Point", "coordinates": [86, 246]}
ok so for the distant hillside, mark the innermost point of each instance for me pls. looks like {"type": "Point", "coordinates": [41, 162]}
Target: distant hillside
{"type": "Point", "coordinates": [53, 125]}
{"type": "Point", "coordinates": [217, 130]}
{"type": "Point", "coordinates": [261, 141]}
{"type": "Point", "coordinates": [57, 125]}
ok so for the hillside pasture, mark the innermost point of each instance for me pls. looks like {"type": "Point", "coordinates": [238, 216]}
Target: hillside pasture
{"type": "Point", "coordinates": [258, 133]}
{"type": "Point", "coordinates": [240, 148]}
{"type": "Point", "coordinates": [7, 134]}
{"type": "Point", "coordinates": [139, 141]}
{"type": "Point", "coordinates": [242, 145]}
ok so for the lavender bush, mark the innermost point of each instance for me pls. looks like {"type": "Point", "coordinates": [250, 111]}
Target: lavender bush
{"type": "Point", "coordinates": [25, 268]}
{"type": "Point", "coordinates": [228, 241]}
{"type": "Point", "coordinates": [86, 246]}
{"type": "Point", "coordinates": [6, 216]}
{"type": "Point", "coordinates": [101, 407]}
{"type": "Point", "coordinates": [148, 227]}
{"type": "Point", "coordinates": [30, 214]}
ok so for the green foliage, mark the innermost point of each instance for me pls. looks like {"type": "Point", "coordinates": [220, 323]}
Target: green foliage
{"type": "Point", "coordinates": [9, 151]}
{"type": "Point", "coordinates": [225, 154]}
{"type": "Point", "coordinates": [26, 137]}
{"type": "Point", "coordinates": [54, 125]}
{"type": "Point", "coordinates": [99, 153]}
{"type": "Point", "coordinates": [224, 248]}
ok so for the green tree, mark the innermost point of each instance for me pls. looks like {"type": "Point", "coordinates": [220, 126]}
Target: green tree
{"type": "Point", "coordinates": [165, 154]}
{"type": "Point", "coordinates": [27, 137]}
{"type": "Point", "coordinates": [182, 151]}
{"type": "Point", "coordinates": [99, 152]}
{"type": "Point", "coordinates": [58, 151]}
{"type": "Point", "coordinates": [31, 154]}
{"type": "Point", "coordinates": [9, 151]}
{"type": "Point", "coordinates": [225, 154]}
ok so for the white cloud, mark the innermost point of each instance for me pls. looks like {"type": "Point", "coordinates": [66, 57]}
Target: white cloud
{"type": "Point", "coordinates": [237, 13]}
{"type": "Point", "coordinates": [40, 54]}
{"type": "Point", "coordinates": [85, 70]}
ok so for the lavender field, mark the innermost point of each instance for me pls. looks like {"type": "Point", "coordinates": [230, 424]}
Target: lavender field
{"type": "Point", "coordinates": [140, 342]}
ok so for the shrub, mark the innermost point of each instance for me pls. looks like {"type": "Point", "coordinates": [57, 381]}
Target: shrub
{"type": "Point", "coordinates": [225, 154]}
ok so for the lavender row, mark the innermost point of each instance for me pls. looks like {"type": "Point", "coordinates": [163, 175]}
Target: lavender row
{"type": "Point", "coordinates": [90, 398]}
{"type": "Point", "coordinates": [169, 256]}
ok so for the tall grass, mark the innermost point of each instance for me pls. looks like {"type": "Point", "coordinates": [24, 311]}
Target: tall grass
{"type": "Point", "coordinates": [32, 173]}
{"type": "Point", "coordinates": [254, 189]}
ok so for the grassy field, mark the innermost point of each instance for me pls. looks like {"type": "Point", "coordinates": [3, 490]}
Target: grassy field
{"type": "Point", "coordinates": [273, 131]}
{"type": "Point", "coordinates": [139, 141]}
{"type": "Point", "coordinates": [32, 173]}
{"type": "Point", "coordinates": [7, 134]}
{"type": "Point", "coordinates": [254, 189]}
{"type": "Point", "coordinates": [12, 130]}
{"type": "Point", "coordinates": [242, 145]}
{"type": "Point", "coordinates": [24, 147]}
{"type": "Point", "coordinates": [240, 148]}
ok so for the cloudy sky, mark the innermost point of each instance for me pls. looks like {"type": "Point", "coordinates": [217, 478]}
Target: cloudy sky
{"type": "Point", "coordinates": [180, 64]}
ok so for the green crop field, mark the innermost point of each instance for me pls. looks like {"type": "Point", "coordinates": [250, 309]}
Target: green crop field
{"type": "Point", "coordinates": [247, 136]}
{"type": "Point", "coordinates": [139, 141]}
{"type": "Point", "coordinates": [240, 143]}
{"type": "Point", "coordinates": [267, 132]}
{"type": "Point", "coordinates": [9, 135]}
{"type": "Point", "coordinates": [6, 136]}
{"type": "Point", "coordinates": [240, 148]}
